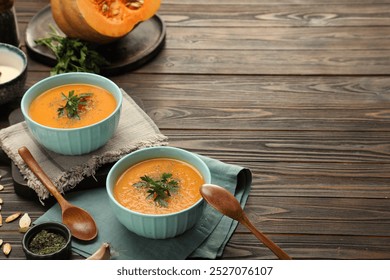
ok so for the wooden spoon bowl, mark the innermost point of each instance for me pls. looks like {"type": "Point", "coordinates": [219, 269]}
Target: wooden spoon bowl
{"type": "Point", "coordinates": [80, 222]}
{"type": "Point", "coordinates": [227, 204]}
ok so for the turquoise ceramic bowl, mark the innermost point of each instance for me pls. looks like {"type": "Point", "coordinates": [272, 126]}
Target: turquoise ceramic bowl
{"type": "Point", "coordinates": [156, 226]}
{"type": "Point", "coordinates": [74, 141]}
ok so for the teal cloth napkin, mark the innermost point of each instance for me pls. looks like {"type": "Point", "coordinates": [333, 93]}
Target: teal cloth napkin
{"type": "Point", "coordinates": [206, 240]}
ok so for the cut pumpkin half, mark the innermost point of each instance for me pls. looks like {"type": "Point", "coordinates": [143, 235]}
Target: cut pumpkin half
{"type": "Point", "coordinates": [101, 21]}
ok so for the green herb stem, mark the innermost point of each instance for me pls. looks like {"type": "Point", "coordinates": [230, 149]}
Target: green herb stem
{"type": "Point", "coordinates": [159, 189]}
{"type": "Point", "coordinates": [74, 104]}
{"type": "Point", "coordinates": [72, 55]}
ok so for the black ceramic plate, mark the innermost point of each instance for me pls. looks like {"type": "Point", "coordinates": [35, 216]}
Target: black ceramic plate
{"type": "Point", "coordinates": [134, 50]}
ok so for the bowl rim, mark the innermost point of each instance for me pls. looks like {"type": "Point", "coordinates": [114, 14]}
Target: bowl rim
{"type": "Point", "coordinates": [123, 159]}
{"type": "Point", "coordinates": [41, 226]}
{"type": "Point", "coordinates": [59, 76]}
{"type": "Point", "coordinates": [23, 56]}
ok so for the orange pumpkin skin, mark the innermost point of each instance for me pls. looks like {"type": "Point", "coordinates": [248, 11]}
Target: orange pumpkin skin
{"type": "Point", "coordinates": [101, 21]}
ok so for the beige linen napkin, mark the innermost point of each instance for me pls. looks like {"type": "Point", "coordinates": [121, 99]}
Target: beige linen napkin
{"type": "Point", "coordinates": [135, 130]}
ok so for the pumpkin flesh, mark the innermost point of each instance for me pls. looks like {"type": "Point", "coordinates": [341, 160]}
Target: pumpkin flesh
{"type": "Point", "coordinates": [101, 21]}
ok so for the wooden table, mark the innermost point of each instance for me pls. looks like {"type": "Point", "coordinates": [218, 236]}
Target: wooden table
{"type": "Point", "coordinates": [297, 91]}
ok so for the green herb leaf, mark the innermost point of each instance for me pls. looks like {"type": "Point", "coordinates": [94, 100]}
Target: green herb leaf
{"type": "Point", "coordinates": [73, 55]}
{"type": "Point", "coordinates": [158, 189]}
{"type": "Point", "coordinates": [74, 104]}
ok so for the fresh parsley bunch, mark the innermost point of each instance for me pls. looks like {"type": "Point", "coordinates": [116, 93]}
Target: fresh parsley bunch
{"type": "Point", "coordinates": [73, 55]}
{"type": "Point", "coordinates": [159, 189]}
{"type": "Point", "coordinates": [73, 104]}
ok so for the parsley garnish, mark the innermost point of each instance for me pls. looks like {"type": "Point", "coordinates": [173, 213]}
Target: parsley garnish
{"type": "Point", "coordinates": [159, 189]}
{"type": "Point", "coordinates": [73, 55]}
{"type": "Point", "coordinates": [74, 103]}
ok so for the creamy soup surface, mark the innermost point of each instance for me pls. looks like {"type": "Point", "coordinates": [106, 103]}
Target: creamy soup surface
{"type": "Point", "coordinates": [8, 73]}
{"type": "Point", "coordinates": [133, 198]}
{"type": "Point", "coordinates": [99, 104]}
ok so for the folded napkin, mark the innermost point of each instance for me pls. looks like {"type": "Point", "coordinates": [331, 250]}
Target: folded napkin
{"type": "Point", "coordinates": [135, 130]}
{"type": "Point", "coordinates": [206, 239]}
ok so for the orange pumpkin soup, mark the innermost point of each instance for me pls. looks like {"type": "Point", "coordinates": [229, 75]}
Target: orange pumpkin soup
{"type": "Point", "coordinates": [52, 108]}
{"type": "Point", "coordinates": [127, 190]}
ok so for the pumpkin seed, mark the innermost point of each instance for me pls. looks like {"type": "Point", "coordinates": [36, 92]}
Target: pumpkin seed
{"type": "Point", "coordinates": [1, 200]}
{"type": "Point", "coordinates": [105, 8]}
{"type": "Point", "coordinates": [1, 242]}
{"type": "Point", "coordinates": [25, 221]}
{"type": "Point", "coordinates": [1, 220]}
{"type": "Point", "coordinates": [13, 217]}
{"type": "Point", "coordinates": [1, 187]}
{"type": "Point", "coordinates": [23, 229]}
{"type": "Point", "coordinates": [134, 4]}
{"type": "Point", "coordinates": [7, 249]}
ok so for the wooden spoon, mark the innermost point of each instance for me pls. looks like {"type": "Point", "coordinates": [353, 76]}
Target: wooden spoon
{"type": "Point", "coordinates": [227, 204]}
{"type": "Point", "coordinates": [80, 223]}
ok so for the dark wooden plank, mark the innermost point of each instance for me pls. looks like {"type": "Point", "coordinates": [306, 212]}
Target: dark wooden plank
{"type": "Point", "coordinates": [310, 92]}
{"type": "Point", "coordinates": [255, 14]}
{"type": "Point", "coordinates": [278, 38]}
{"type": "Point", "coordinates": [279, 62]}
{"type": "Point", "coordinates": [267, 62]}
{"type": "Point", "coordinates": [276, 14]}
{"type": "Point", "coordinates": [308, 215]}
{"type": "Point", "coordinates": [246, 116]}
{"type": "Point", "coordinates": [280, 2]}
{"type": "Point", "coordinates": [264, 147]}
{"type": "Point", "coordinates": [311, 247]}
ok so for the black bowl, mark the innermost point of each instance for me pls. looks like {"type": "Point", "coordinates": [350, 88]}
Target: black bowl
{"type": "Point", "coordinates": [53, 227]}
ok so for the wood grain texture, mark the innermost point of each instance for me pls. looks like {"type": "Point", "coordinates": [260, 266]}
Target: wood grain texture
{"type": "Point", "coordinates": [297, 91]}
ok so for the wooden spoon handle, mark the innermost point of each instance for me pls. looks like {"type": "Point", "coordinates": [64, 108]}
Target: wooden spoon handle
{"type": "Point", "coordinates": [28, 158]}
{"type": "Point", "coordinates": [266, 241]}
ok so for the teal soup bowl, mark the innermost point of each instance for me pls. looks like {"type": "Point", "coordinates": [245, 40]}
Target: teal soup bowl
{"type": "Point", "coordinates": [156, 226]}
{"type": "Point", "coordinates": [73, 141]}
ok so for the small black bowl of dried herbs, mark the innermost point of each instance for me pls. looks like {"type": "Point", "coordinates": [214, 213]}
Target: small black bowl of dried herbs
{"type": "Point", "coordinates": [49, 240]}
